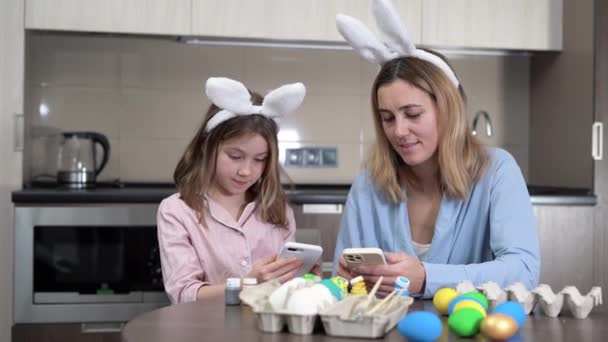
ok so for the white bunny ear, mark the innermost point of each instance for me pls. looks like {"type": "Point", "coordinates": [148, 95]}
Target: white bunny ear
{"type": "Point", "coordinates": [283, 100]}
{"type": "Point", "coordinates": [229, 94]}
{"type": "Point", "coordinates": [440, 63]}
{"type": "Point", "coordinates": [395, 33]}
{"type": "Point", "coordinates": [363, 40]}
{"type": "Point", "coordinates": [218, 118]}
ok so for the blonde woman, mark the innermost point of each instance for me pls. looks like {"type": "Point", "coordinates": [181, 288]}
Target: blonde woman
{"type": "Point", "coordinates": [443, 207]}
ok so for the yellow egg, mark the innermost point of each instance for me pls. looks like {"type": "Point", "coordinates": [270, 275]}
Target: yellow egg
{"type": "Point", "coordinates": [442, 299]}
{"type": "Point", "coordinates": [499, 327]}
{"type": "Point", "coordinates": [470, 304]}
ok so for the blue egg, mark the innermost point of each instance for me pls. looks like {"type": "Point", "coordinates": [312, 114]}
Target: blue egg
{"type": "Point", "coordinates": [513, 309]}
{"type": "Point", "coordinates": [458, 299]}
{"type": "Point", "coordinates": [420, 326]}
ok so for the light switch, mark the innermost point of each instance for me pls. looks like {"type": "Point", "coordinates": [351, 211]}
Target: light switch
{"type": "Point", "coordinates": [293, 157]}
{"type": "Point", "coordinates": [311, 156]}
{"type": "Point", "coordinates": [329, 157]}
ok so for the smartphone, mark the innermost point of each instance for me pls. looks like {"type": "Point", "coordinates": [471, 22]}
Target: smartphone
{"type": "Point", "coordinates": [363, 256]}
{"type": "Point", "coordinates": [310, 254]}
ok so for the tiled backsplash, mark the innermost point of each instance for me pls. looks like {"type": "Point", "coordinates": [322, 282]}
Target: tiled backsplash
{"type": "Point", "coordinates": [146, 95]}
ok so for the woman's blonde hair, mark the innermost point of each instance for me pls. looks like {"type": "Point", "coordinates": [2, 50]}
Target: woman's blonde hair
{"type": "Point", "coordinates": [195, 170]}
{"type": "Point", "coordinates": [461, 158]}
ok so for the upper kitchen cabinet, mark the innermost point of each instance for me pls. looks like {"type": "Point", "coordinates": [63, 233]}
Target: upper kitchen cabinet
{"type": "Point", "coordinates": [493, 24]}
{"type": "Point", "coordinates": [310, 20]}
{"type": "Point", "coordinates": [166, 17]}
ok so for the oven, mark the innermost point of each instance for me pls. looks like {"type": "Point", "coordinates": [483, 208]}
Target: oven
{"type": "Point", "coordinates": [97, 263]}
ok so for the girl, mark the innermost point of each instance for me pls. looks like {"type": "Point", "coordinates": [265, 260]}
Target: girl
{"type": "Point", "coordinates": [230, 216]}
{"type": "Point", "coordinates": [444, 207]}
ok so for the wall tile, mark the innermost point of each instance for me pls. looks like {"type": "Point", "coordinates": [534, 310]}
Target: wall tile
{"type": "Point", "coordinates": [323, 72]}
{"type": "Point", "coordinates": [326, 119]}
{"type": "Point", "coordinates": [154, 114]}
{"type": "Point", "coordinates": [72, 60]}
{"type": "Point", "coordinates": [75, 108]}
{"type": "Point", "coordinates": [149, 160]}
{"type": "Point", "coordinates": [147, 95]}
{"type": "Point", "coordinates": [162, 64]}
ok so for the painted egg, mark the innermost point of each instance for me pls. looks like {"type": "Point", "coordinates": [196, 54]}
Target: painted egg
{"type": "Point", "coordinates": [420, 326]}
{"type": "Point", "coordinates": [442, 299]}
{"type": "Point", "coordinates": [513, 309]}
{"type": "Point", "coordinates": [499, 327]}
{"type": "Point", "coordinates": [469, 303]}
{"type": "Point", "coordinates": [465, 322]}
{"type": "Point", "coordinates": [478, 296]}
{"type": "Point", "coordinates": [458, 300]}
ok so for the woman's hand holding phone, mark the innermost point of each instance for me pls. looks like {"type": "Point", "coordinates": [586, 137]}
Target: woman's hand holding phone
{"type": "Point", "coordinates": [398, 264]}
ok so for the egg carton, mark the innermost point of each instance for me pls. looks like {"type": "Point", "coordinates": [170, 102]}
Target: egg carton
{"type": "Point", "coordinates": [340, 320]}
{"type": "Point", "coordinates": [551, 304]}
{"type": "Point", "coordinates": [269, 320]}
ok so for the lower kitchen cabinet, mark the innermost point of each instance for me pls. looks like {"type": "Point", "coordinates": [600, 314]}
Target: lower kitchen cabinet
{"type": "Point", "coordinates": [567, 245]}
{"type": "Point", "coordinates": [72, 332]}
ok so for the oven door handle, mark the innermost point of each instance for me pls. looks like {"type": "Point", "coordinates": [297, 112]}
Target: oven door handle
{"type": "Point", "coordinates": [98, 327]}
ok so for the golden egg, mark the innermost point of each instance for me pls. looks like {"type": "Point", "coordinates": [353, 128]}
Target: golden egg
{"type": "Point", "coordinates": [499, 327]}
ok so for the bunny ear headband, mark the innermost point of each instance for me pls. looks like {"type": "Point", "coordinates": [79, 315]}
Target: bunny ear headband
{"type": "Point", "coordinates": [397, 41]}
{"type": "Point", "coordinates": [234, 99]}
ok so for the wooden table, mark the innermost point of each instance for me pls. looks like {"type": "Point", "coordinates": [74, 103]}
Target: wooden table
{"type": "Point", "coordinates": [214, 321]}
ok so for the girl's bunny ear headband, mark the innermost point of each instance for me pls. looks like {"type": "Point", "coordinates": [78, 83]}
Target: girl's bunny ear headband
{"type": "Point", "coordinates": [234, 99]}
{"type": "Point", "coordinates": [397, 42]}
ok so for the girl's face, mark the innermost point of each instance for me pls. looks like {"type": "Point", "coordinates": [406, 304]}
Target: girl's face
{"type": "Point", "coordinates": [240, 163]}
{"type": "Point", "coordinates": [409, 119]}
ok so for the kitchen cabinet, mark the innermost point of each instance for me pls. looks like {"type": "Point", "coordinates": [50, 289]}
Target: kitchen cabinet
{"type": "Point", "coordinates": [562, 105]}
{"type": "Point", "coordinates": [312, 20]}
{"type": "Point", "coordinates": [567, 245]}
{"type": "Point", "coordinates": [493, 24]}
{"type": "Point", "coordinates": [168, 17]}
{"type": "Point", "coordinates": [11, 140]}
{"type": "Point", "coordinates": [601, 167]}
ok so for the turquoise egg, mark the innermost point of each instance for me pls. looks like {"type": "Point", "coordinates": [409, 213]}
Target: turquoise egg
{"type": "Point", "coordinates": [420, 326]}
{"type": "Point", "coordinates": [458, 299]}
{"type": "Point", "coordinates": [513, 309]}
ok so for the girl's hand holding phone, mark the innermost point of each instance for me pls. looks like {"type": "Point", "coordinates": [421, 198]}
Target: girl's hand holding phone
{"type": "Point", "coordinates": [270, 268]}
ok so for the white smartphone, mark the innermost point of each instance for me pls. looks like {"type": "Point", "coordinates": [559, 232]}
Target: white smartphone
{"type": "Point", "coordinates": [310, 254]}
{"type": "Point", "coordinates": [363, 256]}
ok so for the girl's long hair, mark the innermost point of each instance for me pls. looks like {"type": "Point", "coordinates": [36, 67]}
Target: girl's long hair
{"type": "Point", "coordinates": [195, 171]}
{"type": "Point", "coordinates": [462, 159]}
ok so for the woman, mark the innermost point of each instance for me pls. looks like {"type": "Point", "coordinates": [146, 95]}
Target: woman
{"type": "Point", "coordinates": [443, 207]}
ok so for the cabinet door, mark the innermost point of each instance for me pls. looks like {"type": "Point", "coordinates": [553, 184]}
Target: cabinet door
{"type": "Point", "coordinates": [11, 136]}
{"type": "Point", "coordinates": [311, 20]}
{"type": "Point", "coordinates": [567, 245]}
{"type": "Point", "coordinates": [495, 24]}
{"type": "Point", "coordinates": [124, 16]}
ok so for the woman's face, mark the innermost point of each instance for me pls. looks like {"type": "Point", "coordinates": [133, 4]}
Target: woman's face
{"type": "Point", "coordinates": [240, 163]}
{"type": "Point", "coordinates": [409, 119]}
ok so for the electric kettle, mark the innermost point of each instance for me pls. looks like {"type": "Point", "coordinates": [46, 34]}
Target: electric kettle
{"type": "Point", "coordinates": [77, 162]}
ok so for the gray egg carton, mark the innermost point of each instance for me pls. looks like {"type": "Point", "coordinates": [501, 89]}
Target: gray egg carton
{"type": "Point", "coordinates": [551, 304]}
{"type": "Point", "coordinates": [346, 318]}
{"type": "Point", "coordinates": [342, 319]}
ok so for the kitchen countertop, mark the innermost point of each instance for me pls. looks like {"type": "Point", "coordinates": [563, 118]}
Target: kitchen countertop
{"type": "Point", "coordinates": [302, 194]}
